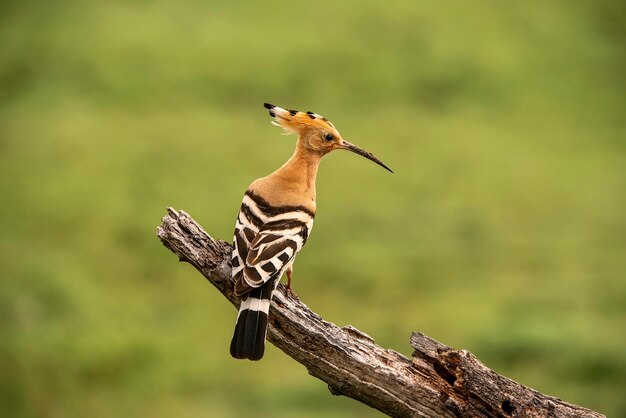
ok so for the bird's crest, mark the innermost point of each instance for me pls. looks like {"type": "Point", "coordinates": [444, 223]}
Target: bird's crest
{"type": "Point", "coordinates": [292, 121]}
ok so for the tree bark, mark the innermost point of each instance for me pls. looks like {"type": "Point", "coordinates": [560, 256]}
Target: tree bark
{"type": "Point", "coordinates": [438, 381]}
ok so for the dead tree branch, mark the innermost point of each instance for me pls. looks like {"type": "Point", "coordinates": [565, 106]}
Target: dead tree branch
{"type": "Point", "coordinates": [438, 381]}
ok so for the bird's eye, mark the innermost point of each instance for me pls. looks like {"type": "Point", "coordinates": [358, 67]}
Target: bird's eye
{"type": "Point", "coordinates": [329, 137]}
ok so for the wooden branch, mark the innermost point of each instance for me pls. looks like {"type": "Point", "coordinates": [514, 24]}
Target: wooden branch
{"type": "Point", "coordinates": [438, 381]}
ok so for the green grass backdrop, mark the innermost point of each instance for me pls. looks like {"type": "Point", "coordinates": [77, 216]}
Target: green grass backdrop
{"type": "Point", "coordinates": [502, 230]}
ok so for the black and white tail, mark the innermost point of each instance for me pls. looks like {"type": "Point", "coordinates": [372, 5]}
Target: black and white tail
{"type": "Point", "coordinates": [249, 337]}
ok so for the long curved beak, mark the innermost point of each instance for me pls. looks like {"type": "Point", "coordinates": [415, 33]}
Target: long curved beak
{"type": "Point", "coordinates": [351, 147]}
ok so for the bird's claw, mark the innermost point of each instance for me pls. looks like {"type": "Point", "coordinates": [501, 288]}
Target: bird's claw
{"type": "Point", "coordinates": [291, 293]}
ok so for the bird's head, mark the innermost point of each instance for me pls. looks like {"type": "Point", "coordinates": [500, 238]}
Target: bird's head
{"type": "Point", "coordinates": [315, 132]}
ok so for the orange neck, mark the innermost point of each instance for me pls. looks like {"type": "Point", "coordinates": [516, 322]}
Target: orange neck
{"type": "Point", "coordinates": [301, 170]}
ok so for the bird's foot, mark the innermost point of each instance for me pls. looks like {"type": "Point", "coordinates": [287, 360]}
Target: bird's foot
{"type": "Point", "coordinates": [291, 293]}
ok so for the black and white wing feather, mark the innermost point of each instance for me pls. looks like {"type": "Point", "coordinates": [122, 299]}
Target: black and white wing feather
{"type": "Point", "coordinates": [267, 240]}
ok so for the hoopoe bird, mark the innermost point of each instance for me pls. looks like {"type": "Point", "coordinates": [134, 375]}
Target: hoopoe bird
{"type": "Point", "coordinates": [275, 222]}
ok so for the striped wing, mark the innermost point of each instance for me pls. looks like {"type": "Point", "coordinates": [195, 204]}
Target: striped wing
{"type": "Point", "coordinates": [269, 255]}
{"type": "Point", "coordinates": [267, 240]}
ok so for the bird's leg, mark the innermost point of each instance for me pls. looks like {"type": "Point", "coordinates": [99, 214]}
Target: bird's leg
{"type": "Point", "coordinates": [289, 290]}
{"type": "Point", "coordinates": [289, 273]}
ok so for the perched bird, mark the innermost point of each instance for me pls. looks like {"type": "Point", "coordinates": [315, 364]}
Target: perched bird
{"type": "Point", "coordinates": [275, 221]}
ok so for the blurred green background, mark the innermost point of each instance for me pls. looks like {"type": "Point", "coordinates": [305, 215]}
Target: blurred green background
{"type": "Point", "coordinates": [502, 230]}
